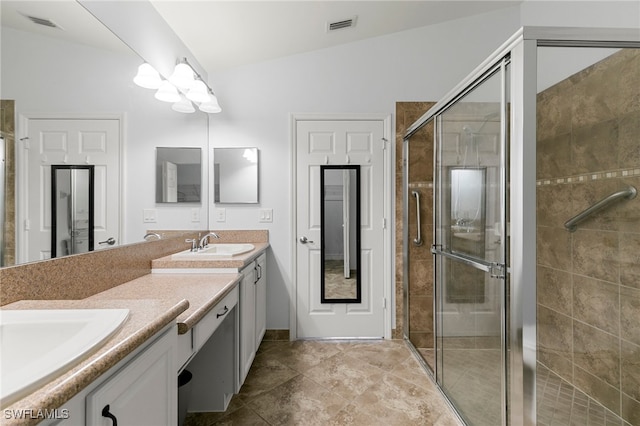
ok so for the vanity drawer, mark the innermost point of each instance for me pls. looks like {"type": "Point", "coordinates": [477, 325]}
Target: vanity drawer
{"type": "Point", "coordinates": [207, 325]}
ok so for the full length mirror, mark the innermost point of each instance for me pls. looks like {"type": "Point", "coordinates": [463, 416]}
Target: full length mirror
{"type": "Point", "coordinates": [74, 92]}
{"type": "Point", "coordinates": [178, 175]}
{"type": "Point", "coordinates": [468, 210]}
{"type": "Point", "coordinates": [340, 237]}
{"type": "Point", "coordinates": [236, 175]}
{"type": "Point", "coordinates": [72, 209]}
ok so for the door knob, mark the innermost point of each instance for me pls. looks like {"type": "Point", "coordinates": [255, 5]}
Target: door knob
{"type": "Point", "coordinates": [304, 240]}
{"type": "Point", "coordinates": [111, 241]}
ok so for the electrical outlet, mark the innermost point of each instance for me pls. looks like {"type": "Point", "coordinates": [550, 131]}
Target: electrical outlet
{"type": "Point", "coordinates": [266, 215]}
{"type": "Point", "coordinates": [221, 215]}
{"type": "Point", "coordinates": [149, 215]}
{"type": "Point", "coordinates": [195, 215]}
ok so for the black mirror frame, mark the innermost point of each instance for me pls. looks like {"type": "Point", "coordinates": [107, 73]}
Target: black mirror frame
{"type": "Point", "coordinates": [54, 203]}
{"type": "Point", "coordinates": [323, 298]}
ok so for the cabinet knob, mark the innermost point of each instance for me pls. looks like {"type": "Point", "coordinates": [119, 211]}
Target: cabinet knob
{"type": "Point", "coordinates": [107, 414]}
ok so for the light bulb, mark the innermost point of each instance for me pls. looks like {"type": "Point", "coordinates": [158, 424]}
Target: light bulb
{"type": "Point", "coordinates": [183, 105]}
{"type": "Point", "coordinates": [167, 93]}
{"type": "Point", "coordinates": [182, 76]}
{"type": "Point", "coordinates": [212, 106]}
{"type": "Point", "coordinates": [147, 77]}
{"type": "Point", "coordinates": [198, 92]}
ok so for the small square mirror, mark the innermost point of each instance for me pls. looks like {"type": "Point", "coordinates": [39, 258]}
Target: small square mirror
{"type": "Point", "coordinates": [235, 175]}
{"type": "Point", "coordinates": [178, 175]}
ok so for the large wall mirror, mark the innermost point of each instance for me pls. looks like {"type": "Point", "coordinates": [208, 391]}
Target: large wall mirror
{"type": "Point", "coordinates": [178, 175]}
{"type": "Point", "coordinates": [72, 209]}
{"type": "Point", "coordinates": [340, 237]}
{"type": "Point", "coordinates": [235, 177]}
{"type": "Point", "coordinates": [82, 70]}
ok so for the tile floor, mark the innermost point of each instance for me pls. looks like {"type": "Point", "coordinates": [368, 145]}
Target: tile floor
{"type": "Point", "coordinates": [334, 383]}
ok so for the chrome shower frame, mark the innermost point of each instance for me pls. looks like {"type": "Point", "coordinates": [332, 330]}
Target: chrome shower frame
{"type": "Point", "coordinates": [521, 48]}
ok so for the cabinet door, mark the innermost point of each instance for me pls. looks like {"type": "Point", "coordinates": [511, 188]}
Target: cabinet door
{"type": "Point", "coordinates": [261, 298]}
{"type": "Point", "coordinates": [143, 392]}
{"type": "Point", "coordinates": [247, 321]}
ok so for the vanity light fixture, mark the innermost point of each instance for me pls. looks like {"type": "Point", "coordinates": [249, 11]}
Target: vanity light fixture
{"type": "Point", "coordinates": [167, 93]}
{"type": "Point", "coordinates": [183, 87]}
{"type": "Point", "coordinates": [212, 106]}
{"type": "Point", "coordinates": [183, 105]}
{"type": "Point", "coordinates": [147, 77]}
{"type": "Point", "coordinates": [198, 92]}
{"type": "Point", "coordinates": [183, 75]}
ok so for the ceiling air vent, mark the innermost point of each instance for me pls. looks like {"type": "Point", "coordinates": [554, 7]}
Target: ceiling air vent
{"type": "Point", "coordinates": [43, 21]}
{"type": "Point", "coordinates": [340, 25]}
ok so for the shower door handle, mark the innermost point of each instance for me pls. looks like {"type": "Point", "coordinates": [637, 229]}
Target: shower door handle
{"type": "Point", "coordinates": [418, 239]}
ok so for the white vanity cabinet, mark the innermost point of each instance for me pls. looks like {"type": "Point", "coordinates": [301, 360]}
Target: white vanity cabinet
{"type": "Point", "coordinates": [142, 392]}
{"type": "Point", "coordinates": [253, 310]}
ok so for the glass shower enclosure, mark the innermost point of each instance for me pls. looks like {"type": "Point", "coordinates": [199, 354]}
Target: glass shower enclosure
{"type": "Point", "coordinates": [533, 318]}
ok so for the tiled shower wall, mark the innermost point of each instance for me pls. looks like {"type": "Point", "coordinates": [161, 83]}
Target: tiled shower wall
{"type": "Point", "coordinates": [421, 268]}
{"type": "Point", "coordinates": [588, 289]}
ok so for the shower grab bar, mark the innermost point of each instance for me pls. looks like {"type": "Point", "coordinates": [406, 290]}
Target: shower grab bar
{"type": "Point", "coordinates": [629, 193]}
{"type": "Point", "coordinates": [418, 240]}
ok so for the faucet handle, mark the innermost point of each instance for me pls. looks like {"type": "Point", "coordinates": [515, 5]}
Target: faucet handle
{"type": "Point", "coordinates": [194, 243]}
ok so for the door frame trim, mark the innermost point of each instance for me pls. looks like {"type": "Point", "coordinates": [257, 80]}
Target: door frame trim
{"type": "Point", "coordinates": [388, 250]}
{"type": "Point", "coordinates": [23, 132]}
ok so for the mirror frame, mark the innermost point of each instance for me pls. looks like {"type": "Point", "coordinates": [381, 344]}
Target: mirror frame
{"type": "Point", "coordinates": [323, 298]}
{"type": "Point", "coordinates": [54, 204]}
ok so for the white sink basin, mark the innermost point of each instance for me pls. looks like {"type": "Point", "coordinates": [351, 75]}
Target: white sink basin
{"type": "Point", "coordinates": [36, 345]}
{"type": "Point", "coordinates": [214, 251]}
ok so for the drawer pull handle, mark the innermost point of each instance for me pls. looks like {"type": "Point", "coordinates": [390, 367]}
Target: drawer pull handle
{"type": "Point", "coordinates": [224, 313]}
{"type": "Point", "coordinates": [106, 413]}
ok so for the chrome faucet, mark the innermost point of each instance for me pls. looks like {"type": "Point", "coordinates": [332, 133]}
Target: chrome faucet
{"type": "Point", "coordinates": [204, 241]}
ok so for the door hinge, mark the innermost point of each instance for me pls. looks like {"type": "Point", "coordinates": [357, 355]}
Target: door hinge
{"type": "Point", "coordinates": [27, 225]}
{"type": "Point", "coordinates": [384, 143]}
{"type": "Point", "coordinates": [497, 270]}
{"type": "Point", "coordinates": [384, 303]}
{"type": "Point", "coordinates": [384, 223]}
{"type": "Point", "coordinates": [25, 143]}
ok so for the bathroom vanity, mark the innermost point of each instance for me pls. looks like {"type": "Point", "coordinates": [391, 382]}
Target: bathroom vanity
{"type": "Point", "coordinates": [208, 318]}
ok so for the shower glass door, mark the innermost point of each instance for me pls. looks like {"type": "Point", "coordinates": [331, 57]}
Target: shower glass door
{"type": "Point", "coordinates": [470, 250]}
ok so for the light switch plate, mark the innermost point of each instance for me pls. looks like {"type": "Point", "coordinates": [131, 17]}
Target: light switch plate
{"type": "Point", "coordinates": [149, 215]}
{"type": "Point", "coordinates": [221, 215]}
{"type": "Point", "coordinates": [266, 215]}
{"type": "Point", "coordinates": [195, 215]}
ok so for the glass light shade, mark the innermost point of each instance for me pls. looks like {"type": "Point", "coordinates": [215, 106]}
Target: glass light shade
{"type": "Point", "coordinates": [183, 105]}
{"type": "Point", "coordinates": [182, 76]}
{"type": "Point", "coordinates": [198, 92]}
{"type": "Point", "coordinates": [147, 77]}
{"type": "Point", "coordinates": [212, 106]}
{"type": "Point", "coordinates": [167, 93]}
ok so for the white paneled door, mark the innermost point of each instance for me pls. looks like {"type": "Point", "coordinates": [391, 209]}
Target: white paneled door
{"type": "Point", "coordinates": [68, 142]}
{"type": "Point", "coordinates": [340, 142]}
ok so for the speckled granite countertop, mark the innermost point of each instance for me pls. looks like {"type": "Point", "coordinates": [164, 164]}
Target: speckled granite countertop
{"type": "Point", "coordinates": [166, 264]}
{"type": "Point", "coordinates": [203, 291]}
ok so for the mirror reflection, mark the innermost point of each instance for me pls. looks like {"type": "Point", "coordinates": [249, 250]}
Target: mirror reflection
{"type": "Point", "coordinates": [178, 175]}
{"type": "Point", "coordinates": [72, 209]}
{"type": "Point", "coordinates": [340, 236]}
{"type": "Point", "coordinates": [468, 210]}
{"type": "Point", "coordinates": [83, 74]}
{"type": "Point", "coordinates": [235, 175]}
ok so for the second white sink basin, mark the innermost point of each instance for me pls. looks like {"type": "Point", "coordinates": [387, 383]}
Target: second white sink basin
{"type": "Point", "coordinates": [36, 345]}
{"type": "Point", "coordinates": [214, 251]}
